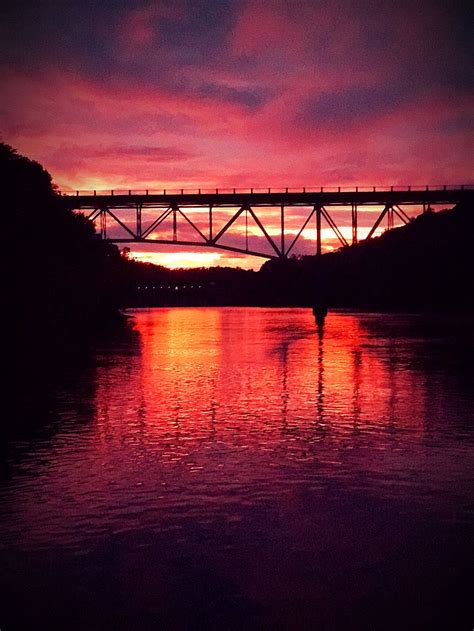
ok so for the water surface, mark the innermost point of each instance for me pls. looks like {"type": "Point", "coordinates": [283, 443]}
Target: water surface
{"type": "Point", "coordinates": [243, 468]}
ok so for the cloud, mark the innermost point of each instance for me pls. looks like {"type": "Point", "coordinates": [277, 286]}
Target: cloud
{"type": "Point", "coordinates": [196, 93]}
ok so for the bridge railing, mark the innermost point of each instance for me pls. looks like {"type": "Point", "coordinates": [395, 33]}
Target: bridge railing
{"type": "Point", "coordinates": [267, 190]}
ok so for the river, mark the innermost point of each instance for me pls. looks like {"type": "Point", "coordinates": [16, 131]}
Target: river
{"type": "Point", "coordinates": [234, 468]}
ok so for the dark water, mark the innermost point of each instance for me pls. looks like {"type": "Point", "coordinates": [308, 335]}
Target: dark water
{"type": "Point", "coordinates": [236, 469]}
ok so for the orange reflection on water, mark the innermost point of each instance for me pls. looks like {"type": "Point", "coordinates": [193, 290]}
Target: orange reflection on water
{"type": "Point", "coordinates": [251, 374]}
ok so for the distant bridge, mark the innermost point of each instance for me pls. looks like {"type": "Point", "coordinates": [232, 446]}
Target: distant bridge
{"type": "Point", "coordinates": [178, 205]}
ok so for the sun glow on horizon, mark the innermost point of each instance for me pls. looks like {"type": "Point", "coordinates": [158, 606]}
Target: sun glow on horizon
{"type": "Point", "coordinates": [187, 259]}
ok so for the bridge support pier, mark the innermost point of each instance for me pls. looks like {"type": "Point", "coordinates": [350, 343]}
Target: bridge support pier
{"type": "Point", "coordinates": [282, 231]}
{"type": "Point", "coordinates": [103, 223]}
{"type": "Point", "coordinates": [139, 221]}
{"type": "Point", "coordinates": [354, 223]}
{"type": "Point", "coordinates": [318, 211]}
{"type": "Point", "coordinates": [175, 223]}
{"type": "Point", "coordinates": [246, 229]}
{"type": "Point", "coordinates": [390, 218]}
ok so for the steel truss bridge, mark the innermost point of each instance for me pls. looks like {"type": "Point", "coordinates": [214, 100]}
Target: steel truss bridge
{"type": "Point", "coordinates": [102, 207]}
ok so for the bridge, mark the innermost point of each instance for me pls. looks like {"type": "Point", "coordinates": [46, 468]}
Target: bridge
{"type": "Point", "coordinates": [318, 204]}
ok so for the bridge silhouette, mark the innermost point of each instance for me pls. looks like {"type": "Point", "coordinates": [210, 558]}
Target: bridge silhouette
{"type": "Point", "coordinates": [179, 205]}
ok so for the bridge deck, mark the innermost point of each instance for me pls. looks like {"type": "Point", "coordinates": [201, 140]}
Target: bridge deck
{"type": "Point", "coordinates": [270, 197]}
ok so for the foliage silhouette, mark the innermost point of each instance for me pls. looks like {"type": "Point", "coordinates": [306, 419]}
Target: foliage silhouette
{"type": "Point", "coordinates": [61, 278]}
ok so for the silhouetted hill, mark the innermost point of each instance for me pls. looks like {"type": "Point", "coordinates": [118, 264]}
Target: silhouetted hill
{"type": "Point", "coordinates": [426, 264]}
{"type": "Point", "coordinates": [61, 280]}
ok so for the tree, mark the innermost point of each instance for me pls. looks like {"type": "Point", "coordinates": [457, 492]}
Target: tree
{"type": "Point", "coordinates": [63, 278]}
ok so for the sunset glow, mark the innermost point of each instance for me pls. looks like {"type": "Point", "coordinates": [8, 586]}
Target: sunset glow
{"type": "Point", "coordinates": [183, 258]}
{"type": "Point", "coordinates": [239, 93]}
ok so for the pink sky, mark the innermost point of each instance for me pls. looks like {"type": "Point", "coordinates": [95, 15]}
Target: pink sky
{"type": "Point", "coordinates": [232, 93]}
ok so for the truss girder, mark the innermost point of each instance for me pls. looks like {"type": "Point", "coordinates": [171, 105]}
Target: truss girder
{"type": "Point", "coordinates": [142, 234]}
{"type": "Point", "coordinates": [378, 221]}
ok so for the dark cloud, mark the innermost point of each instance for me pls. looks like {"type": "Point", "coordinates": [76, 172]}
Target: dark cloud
{"type": "Point", "coordinates": [205, 93]}
{"type": "Point", "coordinates": [156, 154]}
{"type": "Point", "coordinates": [349, 106]}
